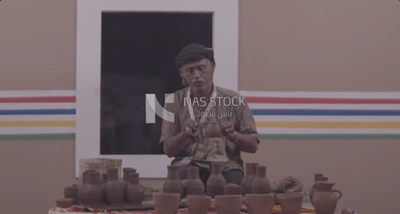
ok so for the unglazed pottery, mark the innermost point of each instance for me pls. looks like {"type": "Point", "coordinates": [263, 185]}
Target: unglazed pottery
{"type": "Point", "coordinates": [114, 188]}
{"type": "Point", "coordinates": [213, 130]}
{"type": "Point", "coordinates": [252, 174]}
{"type": "Point", "coordinates": [325, 198]}
{"type": "Point", "coordinates": [232, 189]}
{"type": "Point", "coordinates": [173, 184]}
{"type": "Point", "coordinates": [290, 202]}
{"type": "Point", "coordinates": [134, 190]}
{"type": "Point", "coordinates": [228, 204]}
{"type": "Point", "coordinates": [64, 203]}
{"type": "Point", "coordinates": [260, 203]}
{"type": "Point", "coordinates": [92, 194]}
{"type": "Point", "coordinates": [198, 204]}
{"type": "Point", "coordinates": [216, 181]}
{"type": "Point", "coordinates": [193, 185]}
{"type": "Point", "coordinates": [72, 192]}
{"type": "Point", "coordinates": [260, 184]}
{"type": "Point", "coordinates": [312, 192]}
{"type": "Point", "coordinates": [244, 180]}
{"type": "Point", "coordinates": [166, 203]}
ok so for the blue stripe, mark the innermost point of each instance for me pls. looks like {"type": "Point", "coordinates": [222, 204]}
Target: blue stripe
{"type": "Point", "coordinates": [325, 112]}
{"type": "Point", "coordinates": [38, 112]}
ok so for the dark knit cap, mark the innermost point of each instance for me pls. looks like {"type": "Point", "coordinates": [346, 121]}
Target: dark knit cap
{"type": "Point", "coordinates": [192, 53]}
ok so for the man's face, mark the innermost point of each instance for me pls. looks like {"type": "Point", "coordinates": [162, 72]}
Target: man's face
{"type": "Point", "coordinates": [198, 74]}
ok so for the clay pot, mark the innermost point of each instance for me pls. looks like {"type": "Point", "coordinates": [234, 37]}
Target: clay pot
{"type": "Point", "coordinates": [92, 193]}
{"type": "Point", "coordinates": [228, 204]}
{"type": "Point", "coordinates": [260, 183]}
{"type": "Point", "coordinates": [260, 203]}
{"type": "Point", "coordinates": [213, 130]}
{"type": "Point", "coordinates": [216, 181]}
{"type": "Point", "coordinates": [64, 203]}
{"type": "Point", "coordinates": [173, 184]}
{"type": "Point", "coordinates": [232, 189]}
{"type": "Point", "coordinates": [252, 168]}
{"type": "Point", "coordinates": [193, 185]}
{"type": "Point", "coordinates": [290, 202]}
{"type": "Point", "coordinates": [325, 198]}
{"type": "Point", "coordinates": [134, 190]}
{"type": "Point", "coordinates": [72, 192]}
{"type": "Point", "coordinates": [244, 180]}
{"type": "Point", "coordinates": [166, 203]}
{"type": "Point", "coordinates": [312, 192]}
{"type": "Point", "coordinates": [114, 188]}
{"type": "Point", "coordinates": [198, 204]}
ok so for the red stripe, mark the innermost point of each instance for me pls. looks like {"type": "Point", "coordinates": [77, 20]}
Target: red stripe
{"type": "Point", "coordinates": [66, 99]}
{"type": "Point", "coordinates": [301, 100]}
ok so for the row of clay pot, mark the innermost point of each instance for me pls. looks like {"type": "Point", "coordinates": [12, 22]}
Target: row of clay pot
{"type": "Point", "coordinates": [167, 203]}
{"type": "Point", "coordinates": [216, 183]}
{"type": "Point", "coordinates": [112, 191]}
{"type": "Point", "coordinates": [255, 180]}
{"type": "Point", "coordinates": [322, 195]}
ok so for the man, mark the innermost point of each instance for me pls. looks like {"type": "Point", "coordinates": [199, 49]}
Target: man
{"type": "Point", "coordinates": [200, 104]}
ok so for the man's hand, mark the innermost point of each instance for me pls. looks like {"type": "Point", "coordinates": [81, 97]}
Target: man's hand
{"type": "Point", "coordinates": [228, 130]}
{"type": "Point", "coordinates": [190, 127]}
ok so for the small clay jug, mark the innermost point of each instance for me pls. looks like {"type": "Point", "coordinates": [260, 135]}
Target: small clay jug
{"type": "Point", "coordinates": [260, 203]}
{"type": "Point", "coordinates": [316, 178]}
{"type": "Point", "coordinates": [166, 203]}
{"type": "Point", "coordinates": [92, 194]}
{"type": "Point", "coordinates": [114, 188]}
{"type": "Point", "coordinates": [134, 190]}
{"type": "Point", "coordinates": [228, 204]}
{"type": "Point", "coordinates": [213, 130]}
{"type": "Point", "coordinates": [244, 180]}
{"type": "Point", "coordinates": [232, 189]}
{"type": "Point", "coordinates": [325, 198]}
{"type": "Point", "coordinates": [252, 174]}
{"type": "Point", "coordinates": [193, 185]}
{"type": "Point", "coordinates": [72, 192]}
{"type": "Point", "coordinates": [173, 184]}
{"type": "Point", "coordinates": [260, 183]}
{"type": "Point", "coordinates": [198, 204]}
{"type": "Point", "coordinates": [216, 181]}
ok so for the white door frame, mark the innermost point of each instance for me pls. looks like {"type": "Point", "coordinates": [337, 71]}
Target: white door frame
{"type": "Point", "coordinates": [225, 44]}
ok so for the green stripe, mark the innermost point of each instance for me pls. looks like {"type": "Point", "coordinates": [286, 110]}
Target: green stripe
{"type": "Point", "coordinates": [327, 136]}
{"type": "Point", "coordinates": [68, 136]}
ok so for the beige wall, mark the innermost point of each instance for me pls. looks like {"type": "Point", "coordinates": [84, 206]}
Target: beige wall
{"type": "Point", "coordinates": [317, 45]}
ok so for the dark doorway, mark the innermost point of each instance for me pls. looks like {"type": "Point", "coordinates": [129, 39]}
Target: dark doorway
{"type": "Point", "coordinates": [137, 57]}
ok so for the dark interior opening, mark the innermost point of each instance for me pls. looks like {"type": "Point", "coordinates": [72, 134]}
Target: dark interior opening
{"type": "Point", "coordinates": [137, 57]}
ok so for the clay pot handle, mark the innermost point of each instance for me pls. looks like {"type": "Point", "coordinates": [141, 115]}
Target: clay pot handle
{"type": "Point", "coordinates": [340, 193]}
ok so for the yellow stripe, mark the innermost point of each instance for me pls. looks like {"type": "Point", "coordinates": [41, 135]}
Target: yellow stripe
{"type": "Point", "coordinates": [37, 123]}
{"type": "Point", "coordinates": [360, 125]}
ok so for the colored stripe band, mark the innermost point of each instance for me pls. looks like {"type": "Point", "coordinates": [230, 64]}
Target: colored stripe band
{"type": "Point", "coordinates": [26, 137]}
{"type": "Point", "coordinates": [64, 99]}
{"type": "Point", "coordinates": [298, 100]}
{"type": "Point", "coordinates": [330, 125]}
{"type": "Point", "coordinates": [328, 136]}
{"type": "Point", "coordinates": [306, 112]}
{"type": "Point", "coordinates": [37, 112]}
{"type": "Point", "coordinates": [37, 123]}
